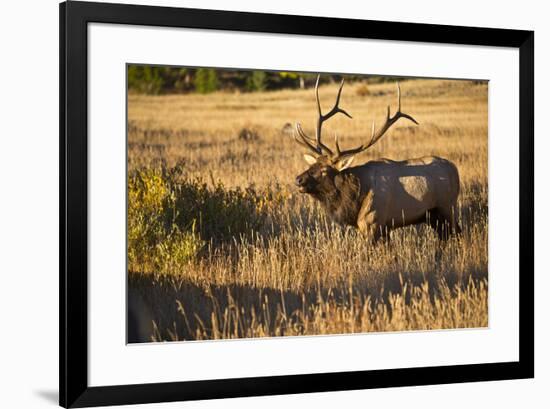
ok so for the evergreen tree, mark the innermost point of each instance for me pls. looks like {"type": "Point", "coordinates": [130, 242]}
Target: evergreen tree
{"type": "Point", "coordinates": [206, 80]}
{"type": "Point", "coordinates": [256, 81]}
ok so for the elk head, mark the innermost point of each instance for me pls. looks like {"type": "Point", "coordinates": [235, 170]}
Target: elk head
{"type": "Point", "coordinates": [326, 164]}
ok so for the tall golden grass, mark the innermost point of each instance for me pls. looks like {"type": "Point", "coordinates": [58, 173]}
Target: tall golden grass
{"type": "Point", "coordinates": [297, 273]}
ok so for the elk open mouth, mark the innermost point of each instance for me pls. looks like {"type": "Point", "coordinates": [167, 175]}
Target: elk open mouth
{"type": "Point", "coordinates": [303, 187]}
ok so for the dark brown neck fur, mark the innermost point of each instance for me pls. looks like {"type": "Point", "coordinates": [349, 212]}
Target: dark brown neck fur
{"type": "Point", "coordinates": [341, 199]}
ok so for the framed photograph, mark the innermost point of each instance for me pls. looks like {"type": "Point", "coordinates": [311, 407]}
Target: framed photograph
{"type": "Point", "coordinates": [257, 204]}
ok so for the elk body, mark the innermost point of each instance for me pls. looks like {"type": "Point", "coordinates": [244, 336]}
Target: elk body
{"type": "Point", "coordinates": [381, 194]}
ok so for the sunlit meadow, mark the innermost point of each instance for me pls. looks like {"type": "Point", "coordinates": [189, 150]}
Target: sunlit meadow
{"type": "Point", "coordinates": [222, 245]}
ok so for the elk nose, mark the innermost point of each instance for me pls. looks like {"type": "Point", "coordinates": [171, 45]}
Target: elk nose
{"type": "Point", "coordinates": [299, 180]}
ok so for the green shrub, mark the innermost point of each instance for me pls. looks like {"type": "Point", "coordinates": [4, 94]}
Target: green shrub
{"type": "Point", "coordinates": [206, 80]}
{"type": "Point", "coordinates": [156, 80]}
{"type": "Point", "coordinates": [171, 218]}
{"type": "Point", "coordinates": [145, 79]}
{"type": "Point", "coordinates": [256, 81]}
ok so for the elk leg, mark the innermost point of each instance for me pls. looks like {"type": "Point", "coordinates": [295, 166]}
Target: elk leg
{"type": "Point", "coordinates": [368, 220]}
{"type": "Point", "coordinates": [439, 223]}
{"type": "Point", "coordinates": [456, 229]}
{"type": "Point", "coordinates": [383, 234]}
{"type": "Point", "coordinates": [456, 226]}
{"type": "Point", "coordinates": [444, 222]}
{"type": "Point", "coordinates": [372, 232]}
{"type": "Point", "coordinates": [452, 219]}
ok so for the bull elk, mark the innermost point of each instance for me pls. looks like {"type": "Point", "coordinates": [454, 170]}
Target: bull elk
{"type": "Point", "coordinates": [381, 194]}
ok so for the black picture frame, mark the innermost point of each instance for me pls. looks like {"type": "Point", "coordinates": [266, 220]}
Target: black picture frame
{"type": "Point", "coordinates": [73, 350]}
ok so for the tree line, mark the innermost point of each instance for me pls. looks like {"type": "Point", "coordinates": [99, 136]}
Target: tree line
{"type": "Point", "coordinates": [154, 80]}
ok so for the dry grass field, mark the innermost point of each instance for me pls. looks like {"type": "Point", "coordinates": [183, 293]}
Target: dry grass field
{"type": "Point", "coordinates": [222, 245]}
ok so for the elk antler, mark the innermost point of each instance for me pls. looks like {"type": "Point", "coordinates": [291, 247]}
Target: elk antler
{"type": "Point", "coordinates": [390, 120]}
{"type": "Point", "coordinates": [316, 145]}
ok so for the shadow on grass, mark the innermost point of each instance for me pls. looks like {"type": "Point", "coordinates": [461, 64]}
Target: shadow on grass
{"type": "Point", "coordinates": [162, 307]}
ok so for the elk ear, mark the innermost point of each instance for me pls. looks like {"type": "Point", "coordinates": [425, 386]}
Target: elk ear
{"type": "Point", "coordinates": [344, 163]}
{"type": "Point", "coordinates": [311, 160]}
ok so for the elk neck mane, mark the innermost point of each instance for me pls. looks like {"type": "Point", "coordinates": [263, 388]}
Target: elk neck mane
{"type": "Point", "coordinates": [342, 198]}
